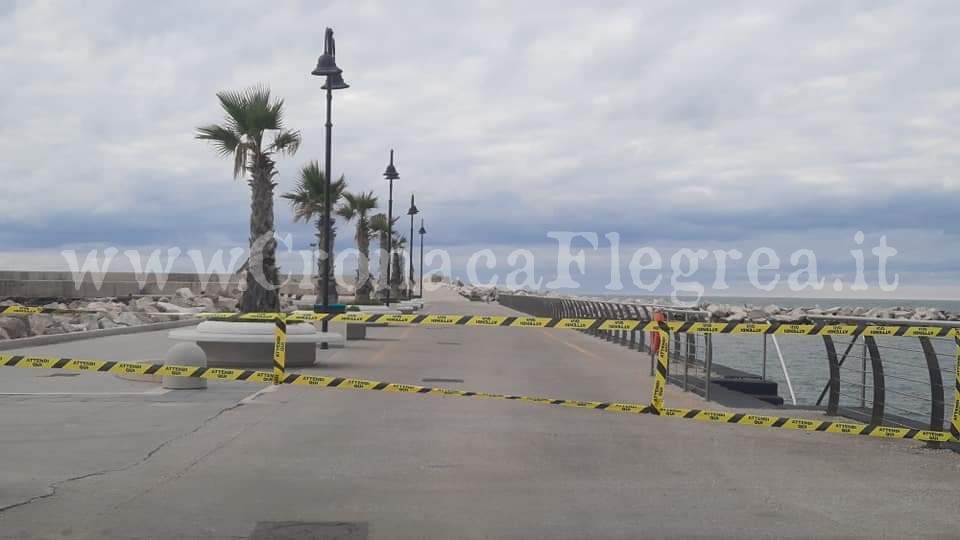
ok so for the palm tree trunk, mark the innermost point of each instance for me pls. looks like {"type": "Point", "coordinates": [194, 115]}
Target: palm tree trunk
{"type": "Point", "coordinates": [334, 296]}
{"type": "Point", "coordinates": [261, 293]}
{"type": "Point", "coordinates": [396, 276]}
{"type": "Point", "coordinates": [382, 285]}
{"type": "Point", "coordinates": [363, 266]}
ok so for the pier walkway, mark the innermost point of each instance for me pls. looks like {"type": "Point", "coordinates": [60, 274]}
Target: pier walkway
{"type": "Point", "coordinates": [95, 456]}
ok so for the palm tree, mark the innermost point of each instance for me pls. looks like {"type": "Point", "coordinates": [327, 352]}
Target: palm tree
{"type": "Point", "coordinates": [358, 207]}
{"type": "Point", "coordinates": [250, 114]}
{"type": "Point", "coordinates": [378, 225]}
{"type": "Point", "coordinates": [307, 203]}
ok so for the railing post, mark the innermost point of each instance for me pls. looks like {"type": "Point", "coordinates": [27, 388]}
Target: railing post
{"type": "Point", "coordinates": [955, 421]}
{"type": "Point", "coordinates": [863, 375]}
{"type": "Point", "coordinates": [708, 363]}
{"type": "Point", "coordinates": [879, 389]}
{"type": "Point", "coordinates": [619, 337]}
{"type": "Point", "coordinates": [612, 308]}
{"type": "Point", "coordinates": [833, 401]}
{"type": "Point", "coordinates": [686, 365]}
{"type": "Point", "coordinates": [763, 370]}
{"type": "Point", "coordinates": [605, 314]}
{"type": "Point", "coordinates": [936, 384]}
{"type": "Point", "coordinates": [596, 313]}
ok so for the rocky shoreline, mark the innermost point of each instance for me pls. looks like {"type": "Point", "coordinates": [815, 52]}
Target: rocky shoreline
{"type": "Point", "coordinates": [110, 313]}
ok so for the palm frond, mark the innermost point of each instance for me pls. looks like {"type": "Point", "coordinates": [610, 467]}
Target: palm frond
{"type": "Point", "coordinates": [286, 142]}
{"type": "Point", "coordinates": [308, 196]}
{"type": "Point", "coordinates": [240, 159]}
{"type": "Point", "coordinates": [262, 114]}
{"type": "Point", "coordinates": [224, 139]}
{"type": "Point", "coordinates": [346, 212]}
{"type": "Point", "coordinates": [361, 203]}
{"type": "Point", "coordinates": [378, 222]}
{"type": "Point", "coordinates": [234, 104]}
{"type": "Point", "coordinates": [250, 112]}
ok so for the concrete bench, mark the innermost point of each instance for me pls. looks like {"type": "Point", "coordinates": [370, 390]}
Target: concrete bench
{"type": "Point", "coordinates": [250, 345]}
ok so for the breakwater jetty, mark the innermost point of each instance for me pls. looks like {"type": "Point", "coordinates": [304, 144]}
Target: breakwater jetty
{"type": "Point", "coordinates": [402, 465]}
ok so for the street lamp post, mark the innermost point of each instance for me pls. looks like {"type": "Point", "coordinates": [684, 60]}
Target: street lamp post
{"type": "Point", "coordinates": [422, 232]}
{"type": "Point", "coordinates": [391, 175]}
{"type": "Point", "coordinates": [327, 67]}
{"type": "Point", "coordinates": [411, 212]}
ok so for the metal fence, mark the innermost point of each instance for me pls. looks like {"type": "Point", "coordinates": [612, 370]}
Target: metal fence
{"type": "Point", "coordinates": [885, 380]}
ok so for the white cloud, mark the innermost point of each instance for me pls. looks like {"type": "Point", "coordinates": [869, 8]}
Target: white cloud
{"type": "Point", "coordinates": [721, 120]}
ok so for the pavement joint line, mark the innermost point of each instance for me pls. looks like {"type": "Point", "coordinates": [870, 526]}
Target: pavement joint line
{"type": "Point", "coordinates": [154, 392]}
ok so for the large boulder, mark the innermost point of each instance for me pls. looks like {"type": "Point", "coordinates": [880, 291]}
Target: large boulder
{"type": "Point", "coordinates": [104, 306]}
{"type": "Point", "coordinates": [227, 304]}
{"type": "Point", "coordinates": [204, 303]}
{"type": "Point", "coordinates": [127, 319]}
{"type": "Point", "coordinates": [167, 307]}
{"type": "Point", "coordinates": [39, 324]}
{"type": "Point", "coordinates": [14, 327]}
{"type": "Point", "coordinates": [144, 303]}
{"type": "Point", "coordinates": [184, 293]}
{"type": "Point", "coordinates": [773, 309]}
{"type": "Point", "coordinates": [106, 324]}
{"type": "Point", "coordinates": [90, 321]}
{"type": "Point", "coordinates": [737, 314]}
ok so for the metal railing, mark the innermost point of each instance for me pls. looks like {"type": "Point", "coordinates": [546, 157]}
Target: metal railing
{"type": "Point", "coordinates": [691, 354]}
{"type": "Point", "coordinates": [883, 381]}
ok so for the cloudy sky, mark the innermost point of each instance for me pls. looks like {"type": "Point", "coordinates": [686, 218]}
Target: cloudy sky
{"type": "Point", "coordinates": [713, 125]}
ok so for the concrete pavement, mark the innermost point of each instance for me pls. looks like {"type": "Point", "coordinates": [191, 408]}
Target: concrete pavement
{"type": "Point", "coordinates": [118, 459]}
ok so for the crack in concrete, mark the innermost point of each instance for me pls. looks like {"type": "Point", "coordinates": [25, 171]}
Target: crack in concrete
{"type": "Point", "coordinates": [59, 483]}
{"type": "Point", "coordinates": [179, 474]}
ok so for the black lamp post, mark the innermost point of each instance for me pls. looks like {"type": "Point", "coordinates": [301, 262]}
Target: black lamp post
{"type": "Point", "coordinates": [327, 67]}
{"type": "Point", "coordinates": [411, 212]}
{"type": "Point", "coordinates": [391, 175]}
{"type": "Point", "coordinates": [422, 232]}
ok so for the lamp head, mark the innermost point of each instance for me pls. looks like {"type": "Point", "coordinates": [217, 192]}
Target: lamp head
{"type": "Point", "coordinates": [327, 63]}
{"type": "Point", "coordinates": [391, 172]}
{"type": "Point", "coordinates": [335, 82]}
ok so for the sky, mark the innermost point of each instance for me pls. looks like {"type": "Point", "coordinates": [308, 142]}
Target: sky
{"type": "Point", "coordinates": [699, 125]}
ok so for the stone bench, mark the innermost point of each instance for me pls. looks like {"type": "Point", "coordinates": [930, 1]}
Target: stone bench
{"type": "Point", "coordinates": [250, 345]}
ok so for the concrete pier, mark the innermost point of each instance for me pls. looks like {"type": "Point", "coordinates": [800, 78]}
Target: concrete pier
{"type": "Point", "coordinates": [94, 456]}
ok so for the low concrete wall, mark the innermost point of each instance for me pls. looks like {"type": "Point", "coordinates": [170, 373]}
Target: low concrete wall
{"type": "Point", "coordinates": [36, 341]}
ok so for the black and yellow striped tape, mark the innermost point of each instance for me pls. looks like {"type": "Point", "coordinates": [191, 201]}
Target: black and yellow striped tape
{"type": "Point", "coordinates": [769, 327]}
{"type": "Point", "coordinates": [25, 310]}
{"type": "Point", "coordinates": [320, 381]}
{"type": "Point", "coordinates": [660, 376]}
{"type": "Point", "coordinates": [317, 381]}
{"type": "Point", "coordinates": [776, 327]}
{"type": "Point", "coordinates": [279, 350]}
{"type": "Point", "coordinates": [803, 424]}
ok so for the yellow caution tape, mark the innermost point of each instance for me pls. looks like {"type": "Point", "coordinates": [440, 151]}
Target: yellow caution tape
{"type": "Point", "coordinates": [569, 323]}
{"type": "Point", "coordinates": [348, 383]}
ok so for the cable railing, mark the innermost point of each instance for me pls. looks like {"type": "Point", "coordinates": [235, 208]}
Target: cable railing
{"type": "Point", "coordinates": [882, 380]}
